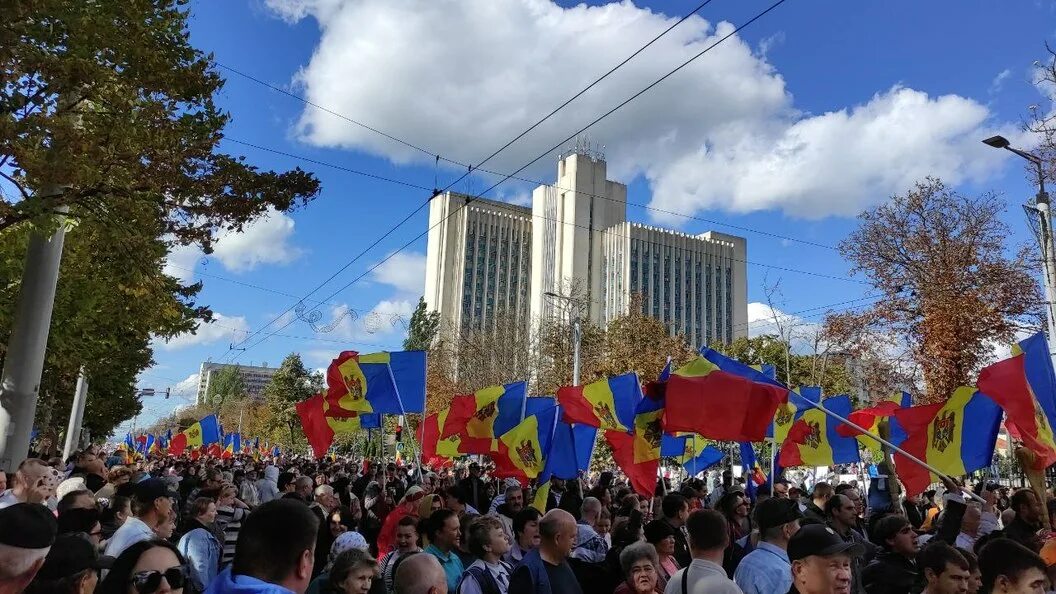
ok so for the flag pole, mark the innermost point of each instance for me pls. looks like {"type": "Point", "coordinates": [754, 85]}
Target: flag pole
{"type": "Point", "coordinates": [863, 431]}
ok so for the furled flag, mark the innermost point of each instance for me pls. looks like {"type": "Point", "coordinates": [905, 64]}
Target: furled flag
{"type": "Point", "coordinates": [641, 474]}
{"type": "Point", "coordinates": [204, 432]}
{"type": "Point", "coordinates": [956, 437]}
{"type": "Point", "coordinates": [157, 445]}
{"type": "Point", "coordinates": [869, 419]}
{"type": "Point", "coordinates": [314, 424]}
{"type": "Point", "coordinates": [522, 451]}
{"type": "Point", "coordinates": [570, 454]}
{"type": "Point", "coordinates": [696, 454]}
{"type": "Point", "coordinates": [752, 471]}
{"type": "Point", "coordinates": [1025, 386]}
{"type": "Point", "coordinates": [232, 445]}
{"type": "Point", "coordinates": [436, 451]}
{"type": "Point", "coordinates": [276, 451]}
{"type": "Point", "coordinates": [813, 440]}
{"type": "Point", "coordinates": [361, 384]}
{"type": "Point", "coordinates": [606, 404]}
{"type": "Point", "coordinates": [488, 413]}
{"type": "Point", "coordinates": [703, 399]}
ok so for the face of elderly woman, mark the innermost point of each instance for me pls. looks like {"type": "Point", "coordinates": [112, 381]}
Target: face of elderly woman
{"type": "Point", "coordinates": [642, 576]}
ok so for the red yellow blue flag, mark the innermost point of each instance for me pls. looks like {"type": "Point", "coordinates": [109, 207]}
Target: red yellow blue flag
{"type": "Point", "coordinates": [204, 432]}
{"type": "Point", "coordinates": [814, 441]}
{"type": "Point", "coordinates": [361, 384]}
{"type": "Point", "coordinates": [487, 413]}
{"type": "Point", "coordinates": [522, 451]}
{"type": "Point", "coordinates": [606, 404]}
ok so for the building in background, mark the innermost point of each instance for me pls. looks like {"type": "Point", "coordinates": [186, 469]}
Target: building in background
{"type": "Point", "coordinates": [490, 261]}
{"type": "Point", "coordinates": [254, 378]}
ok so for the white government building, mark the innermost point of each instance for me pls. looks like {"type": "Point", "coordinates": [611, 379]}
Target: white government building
{"type": "Point", "coordinates": [254, 378]}
{"type": "Point", "coordinates": [488, 260]}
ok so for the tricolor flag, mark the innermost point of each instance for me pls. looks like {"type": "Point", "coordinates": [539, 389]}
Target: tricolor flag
{"type": "Point", "coordinates": [869, 419]}
{"type": "Point", "coordinates": [488, 413]}
{"type": "Point", "coordinates": [648, 430]}
{"type": "Point", "coordinates": [570, 454]}
{"type": "Point", "coordinates": [522, 451]}
{"type": "Point", "coordinates": [641, 474]}
{"type": "Point", "coordinates": [956, 437]}
{"type": "Point", "coordinates": [1025, 386]}
{"type": "Point", "coordinates": [701, 398]}
{"type": "Point", "coordinates": [752, 471]}
{"type": "Point", "coordinates": [813, 440]}
{"type": "Point", "coordinates": [787, 413]}
{"type": "Point", "coordinates": [437, 451]}
{"type": "Point", "coordinates": [606, 404]}
{"type": "Point", "coordinates": [694, 453]}
{"type": "Point", "coordinates": [361, 384]}
{"type": "Point", "coordinates": [204, 432]}
{"type": "Point", "coordinates": [232, 445]}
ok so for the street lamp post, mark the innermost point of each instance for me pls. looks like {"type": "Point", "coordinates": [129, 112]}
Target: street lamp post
{"type": "Point", "coordinates": [577, 331]}
{"type": "Point", "coordinates": [1042, 208]}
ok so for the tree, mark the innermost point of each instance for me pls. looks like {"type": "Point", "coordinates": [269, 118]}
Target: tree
{"type": "Point", "coordinates": [292, 383]}
{"type": "Point", "coordinates": [423, 328]}
{"type": "Point", "coordinates": [226, 384]}
{"type": "Point", "coordinates": [948, 289]}
{"type": "Point", "coordinates": [1043, 121]}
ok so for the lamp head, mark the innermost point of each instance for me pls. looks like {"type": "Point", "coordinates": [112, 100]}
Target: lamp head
{"type": "Point", "coordinates": [997, 142]}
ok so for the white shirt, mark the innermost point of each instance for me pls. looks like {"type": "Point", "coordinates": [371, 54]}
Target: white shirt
{"type": "Point", "coordinates": [500, 571]}
{"type": "Point", "coordinates": [7, 499]}
{"type": "Point", "coordinates": [705, 577]}
{"type": "Point", "coordinates": [132, 531]}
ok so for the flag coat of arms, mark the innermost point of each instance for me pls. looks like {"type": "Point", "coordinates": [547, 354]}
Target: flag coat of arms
{"type": "Point", "coordinates": [488, 412]}
{"type": "Point", "coordinates": [522, 451]}
{"type": "Point", "coordinates": [204, 432]}
{"type": "Point", "coordinates": [361, 384]}
{"type": "Point", "coordinates": [814, 441]}
{"type": "Point", "coordinates": [606, 404]}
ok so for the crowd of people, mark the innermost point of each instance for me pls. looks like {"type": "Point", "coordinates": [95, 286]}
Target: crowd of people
{"type": "Point", "coordinates": [244, 526]}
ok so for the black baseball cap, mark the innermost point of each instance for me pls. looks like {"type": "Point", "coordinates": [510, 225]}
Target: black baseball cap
{"type": "Point", "coordinates": [70, 555]}
{"type": "Point", "coordinates": [146, 491]}
{"type": "Point", "coordinates": [27, 526]}
{"type": "Point", "coordinates": [775, 512]}
{"type": "Point", "coordinates": [819, 539]}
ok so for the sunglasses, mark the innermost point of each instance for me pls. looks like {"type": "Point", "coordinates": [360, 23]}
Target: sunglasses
{"type": "Point", "coordinates": [148, 582]}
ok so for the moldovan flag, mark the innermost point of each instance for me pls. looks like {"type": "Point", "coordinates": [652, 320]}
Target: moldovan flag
{"type": "Point", "coordinates": [696, 454]}
{"type": "Point", "coordinates": [313, 423]}
{"type": "Point", "coordinates": [606, 404]}
{"type": "Point", "coordinates": [570, 454]}
{"type": "Point", "coordinates": [752, 470]}
{"type": "Point", "coordinates": [488, 413]}
{"type": "Point", "coordinates": [703, 399]}
{"type": "Point", "coordinates": [787, 413]}
{"type": "Point", "coordinates": [648, 430]}
{"type": "Point", "coordinates": [956, 437]}
{"type": "Point", "coordinates": [1025, 386]}
{"type": "Point", "coordinates": [409, 368]}
{"type": "Point", "coordinates": [813, 440]}
{"type": "Point", "coordinates": [641, 474]}
{"type": "Point", "coordinates": [869, 419]}
{"type": "Point", "coordinates": [434, 449]}
{"type": "Point", "coordinates": [522, 451]}
{"type": "Point", "coordinates": [361, 384]}
{"type": "Point", "coordinates": [203, 432]}
{"type": "Point", "coordinates": [232, 444]}
{"type": "Point", "coordinates": [764, 374]}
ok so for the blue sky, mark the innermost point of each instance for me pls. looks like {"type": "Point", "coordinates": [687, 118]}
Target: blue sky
{"type": "Point", "coordinates": [791, 127]}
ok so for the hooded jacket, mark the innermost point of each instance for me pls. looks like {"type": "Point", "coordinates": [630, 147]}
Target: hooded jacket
{"type": "Point", "coordinates": [268, 487]}
{"type": "Point", "coordinates": [225, 583]}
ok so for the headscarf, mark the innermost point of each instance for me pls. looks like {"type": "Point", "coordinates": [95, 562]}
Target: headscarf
{"type": "Point", "coordinates": [408, 505]}
{"type": "Point", "coordinates": [347, 540]}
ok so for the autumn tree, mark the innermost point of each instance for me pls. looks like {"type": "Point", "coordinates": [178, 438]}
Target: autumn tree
{"type": "Point", "coordinates": [949, 288]}
{"type": "Point", "coordinates": [1042, 120]}
{"type": "Point", "coordinates": [640, 343]}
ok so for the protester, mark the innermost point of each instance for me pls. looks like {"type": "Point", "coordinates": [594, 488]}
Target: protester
{"type": "Point", "coordinates": [1008, 567]}
{"type": "Point", "coordinates": [489, 574]}
{"type": "Point", "coordinates": [199, 546]}
{"type": "Point", "coordinates": [708, 538]}
{"type": "Point", "coordinates": [1027, 522]}
{"type": "Point", "coordinates": [676, 511]}
{"type": "Point", "coordinates": [767, 568]}
{"type": "Point", "coordinates": [420, 573]}
{"type": "Point", "coordinates": [267, 486]}
{"type": "Point", "coordinates": [895, 569]}
{"type": "Point", "coordinates": [944, 569]}
{"type": "Point", "coordinates": [324, 502]}
{"type": "Point", "coordinates": [734, 508]}
{"type": "Point", "coordinates": [525, 535]}
{"type": "Point", "coordinates": [71, 567]}
{"type": "Point", "coordinates": [27, 532]}
{"type": "Point", "coordinates": [639, 566]}
{"type": "Point", "coordinates": [408, 506]}
{"type": "Point", "coordinates": [353, 572]}
{"type": "Point", "coordinates": [821, 560]}
{"type": "Point", "coordinates": [455, 499]}
{"type": "Point", "coordinates": [443, 531]}
{"type": "Point", "coordinates": [545, 569]}
{"type": "Point", "coordinates": [74, 499]}
{"type": "Point", "coordinates": [474, 488]}
{"type": "Point", "coordinates": [511, 504]}
{"type": "Point", "coordinates": [661, 535]}
{"type": "Point", "coordinates": [152, 506]}
{"type": "Point", "coordinates": [590, 547]}
{"type": "Point", "coordinates": [146, 567]}
{"type": "Point", "coordinates": [406, 544]}
{"type": "Point", "coordinates": [230, 512]}
{"type": "Point", "coordinates": [85, 521]}
{"type": "Point", "coordinates": [34, 482]}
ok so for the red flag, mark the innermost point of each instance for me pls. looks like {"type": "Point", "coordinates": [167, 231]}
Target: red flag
{"type": "Point", "coordinates": [314, 425]}
{"type": "Point", "coordinates": [643, 474]}
{"type": "Point", "coordinates": [178, 444]}
{"type": "Point", "coordinates": [866, 417]}
{"type": "Point", "coordinates": [703, 399]}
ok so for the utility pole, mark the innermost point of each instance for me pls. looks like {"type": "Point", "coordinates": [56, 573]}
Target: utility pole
{"type": "Point", "coordinates": [73, 431]}
{"type": "Point", "coordinates": [577, 330]}
{"type": "Point", "coordinates": [20, 382]}
{"type": "Point", "coordinates": [1041, 207]}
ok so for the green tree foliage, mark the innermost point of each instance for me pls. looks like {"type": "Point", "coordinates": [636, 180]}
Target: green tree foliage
{"type": "Point", "coordinates": [107, 110]}
{"type": "Point", "coordinates": [291, 384]}
{"type": "Point", "coordinates": [226, 385]}
{"type": "Point", "coordinates": [423, 328]}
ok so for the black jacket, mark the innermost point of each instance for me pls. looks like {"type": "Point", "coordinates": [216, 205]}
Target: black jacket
{"type": "Point", "coordinates": [891, 573]}
{"type": "Point", "coordinates": [1024, 534]}
{"type": "Point", "coordinates": [814, 512]}
{"type": "Point", "coordinates": [682, 554]}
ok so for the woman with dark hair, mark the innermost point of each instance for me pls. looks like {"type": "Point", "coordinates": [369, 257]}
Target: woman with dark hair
{"type": "Point", "coordinates": [340, 521]}
{"type": "Point", "coordinates": [146, 567]}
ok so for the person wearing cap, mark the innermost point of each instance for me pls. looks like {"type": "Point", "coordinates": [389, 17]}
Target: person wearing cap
{"type": "Point", "coordinates": [895, 568]}
{"type": "Point", "coordinates": [152, 506]}
{"type": "Point", "coordinates": [71, 567]}
{"type": "Point", "coordinates": [708, 538]}
{"type": "Point", "coordinates": [27, 531]}
{"type": "Point", "coordinates": [661, 535]}
{"type": "Point", "coordinates": [767, 568]}
{"type": "Point", "coordinates": [821, 561]}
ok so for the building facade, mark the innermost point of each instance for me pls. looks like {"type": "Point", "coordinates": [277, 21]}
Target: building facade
{"type": "Point", "coordinates": [253, 377]}
{"type": "Point", "coordinates": [490, 260]}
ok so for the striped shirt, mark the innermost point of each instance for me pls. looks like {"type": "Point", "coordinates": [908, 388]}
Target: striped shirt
{"type": "Point", "coordinates": [229, 519]}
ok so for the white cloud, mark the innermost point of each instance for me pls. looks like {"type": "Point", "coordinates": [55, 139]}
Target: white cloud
{"type": "Point", "coordinates": [405, 271]}
{"type": "Point", "coordinates": [182, 262]}
{"type": "Point", "coordinates": [188, 388]}
{"type": "Point", "coordinates": [722, 133]}
{"type": "Point", "coordinates": [223, 328]}
{"type": "Point", "coordinates": [764, 320]}
{"type": "Point", "coordinates": [264, 241]}
{"type": "Point", "coordinates": [999, 81]}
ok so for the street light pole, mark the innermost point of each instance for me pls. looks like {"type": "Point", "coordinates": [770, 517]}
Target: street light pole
{"type": "Point", "coordinates": [577, 331]}
{"type": "Point", "coordinates": [1042, 207]}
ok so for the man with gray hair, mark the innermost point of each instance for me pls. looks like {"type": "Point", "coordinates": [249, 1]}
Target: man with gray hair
{"type": "Point", "coordinates": [513, 503]}
{"type": "Point", "coordinates": [420, 573]}
{"type": "Point", "coordinates": [34, 482]}
{"type": "Point", "coordinates": [325, 502]}
{"type": "Point", "coordinates": [27, 531]}
{"type": "Point", "coordinates": [590, 546]}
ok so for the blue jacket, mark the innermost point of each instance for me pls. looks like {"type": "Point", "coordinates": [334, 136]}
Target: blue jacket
{"type": "Point", "coordinates": [533, 564]}
{"type": "Point", "coordinates": [225, 583]}
{"type": "Point", "coordinates": [202, 551]}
